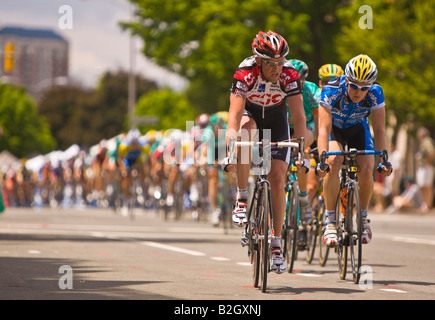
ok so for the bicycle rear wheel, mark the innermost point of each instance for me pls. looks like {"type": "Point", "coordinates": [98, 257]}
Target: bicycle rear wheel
{"type": "Point", "coordinates": [292, 227]}
{"type": "Point", "coordinates": [355, 228]}
{"type": "Point", "coordinates": [341, 249]}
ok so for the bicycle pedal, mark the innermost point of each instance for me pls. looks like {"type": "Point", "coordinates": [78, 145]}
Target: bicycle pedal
{"type": "Point", "coordinates": [245, 240]}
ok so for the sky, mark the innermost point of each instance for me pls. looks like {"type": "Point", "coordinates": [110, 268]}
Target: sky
{"type": "Point", "coordinates": [96, 42]}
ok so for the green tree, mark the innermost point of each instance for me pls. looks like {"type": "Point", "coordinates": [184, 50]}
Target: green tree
{"type": "Point", "coordinates": [59, 106]}
{"type": "Point", "coordinates": [24, 131]}
{"type": "Point", "coordinates": [86, 116]}
{"type": "Point", "coordinates": [206, 40]}
{"type": "Point", "coordinates": [172, 108]}
{"type": "Point", "coordinates": [111, 99]}
{"type": "Point", "coordinates": [402, 44]}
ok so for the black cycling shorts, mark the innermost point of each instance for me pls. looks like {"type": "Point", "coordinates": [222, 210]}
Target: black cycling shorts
{"type": "Point", "coordinates": [357, 136]}
{"type": "Point", "coordinates": [275, 119]}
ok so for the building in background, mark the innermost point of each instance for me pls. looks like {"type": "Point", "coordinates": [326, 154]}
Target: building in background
{"type": "Point", "coordinates": [34, 58]}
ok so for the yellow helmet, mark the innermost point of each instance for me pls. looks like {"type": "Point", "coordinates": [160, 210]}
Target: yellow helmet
{"type": "Point", "coordinates": [330, 71]}
{"type": "Point", "coordinates": [151, 135]}
{"type": "Point", "coordinates": [361, 69]}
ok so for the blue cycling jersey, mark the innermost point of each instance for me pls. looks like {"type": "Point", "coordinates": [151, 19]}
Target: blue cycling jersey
{"type": "Point", "coordinates": [345, 113]}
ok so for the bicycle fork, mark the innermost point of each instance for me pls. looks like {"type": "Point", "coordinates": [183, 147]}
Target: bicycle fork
{"type": "Point", "coordinates": [255, 236]}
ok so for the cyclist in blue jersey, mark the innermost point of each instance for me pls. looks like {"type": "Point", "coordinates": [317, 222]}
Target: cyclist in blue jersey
{"type": "Point", "coordinates": [345, 105]}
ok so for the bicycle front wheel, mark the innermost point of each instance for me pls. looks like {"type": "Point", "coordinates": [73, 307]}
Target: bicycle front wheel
{"type": "Point", "coordinates": [341, 249]}
{"type": "Point", "coordinates": [355, 228]}
{"type": "Point", "coordinates": [264, 236]}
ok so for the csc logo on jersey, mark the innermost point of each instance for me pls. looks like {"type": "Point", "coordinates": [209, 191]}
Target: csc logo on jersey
{"type": "Point", "coordinates": [266, 99]}
{"type": "Point", "coordinates": [249, 79]}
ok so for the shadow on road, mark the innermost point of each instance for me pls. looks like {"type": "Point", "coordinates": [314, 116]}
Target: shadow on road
{"type": "Point", "coordinates": [38, 279]}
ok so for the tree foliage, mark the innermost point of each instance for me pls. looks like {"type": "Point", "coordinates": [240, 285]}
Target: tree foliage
{"type": "Point", "coordinates": [206, 40]}
{"type": "Point", "coordinates": [24, 131]}
{"type": "Point", "coordinates": [402, 44]}
{"type": "Point", "coordinates": [172, 108]}
{"type": "Point", "coordinates": [86, 116]}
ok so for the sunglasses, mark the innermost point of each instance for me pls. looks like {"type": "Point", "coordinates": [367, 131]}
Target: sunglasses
{"type": "Point", "coordinates": [357, 87]}
{"type": "Point", "coordinates": [273, 63]}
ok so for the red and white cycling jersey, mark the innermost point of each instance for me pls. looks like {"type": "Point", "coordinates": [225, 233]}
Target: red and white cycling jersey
{"type": "Point", "coordinates": [249, 83]}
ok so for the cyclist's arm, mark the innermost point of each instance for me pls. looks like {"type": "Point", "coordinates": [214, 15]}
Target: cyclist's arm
{"type": "Point", "coordinates": [378, 124]}
{"type": "Point", "coordinates": [325, 126]}
{"type": "Point", "coordinates": [316, 123]}
{"type": "Point", "coordinates": [237, 105]}
{"type": "Point", "coordinates": [297, 112]}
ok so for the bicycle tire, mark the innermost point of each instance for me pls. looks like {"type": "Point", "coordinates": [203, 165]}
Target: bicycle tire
{"type": "Point", "coordinates": [264, 232]}
{"type": "Point", "coordinates": [252, 232]}
{"type": "Point", "coordinates": [355, 245]}
{"type": "Point", "coordinates": [323, 249]}
{"type": "Point", "coordinates": [341, 248]}
{"type": "Point", "coordinates": [178, 197]}
{"type": "Point", "coordinates": [132, 199]}
{"type": "Point", "coordinates": [292, 227]}
{"type": "Point", "coordinates": [312, 233]}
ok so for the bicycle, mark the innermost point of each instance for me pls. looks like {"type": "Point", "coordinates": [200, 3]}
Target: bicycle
{"type": "Point", "coordinates": [259, 231]}
{"type": "Point", "coordinates": [315, 231]}
{"type": "Point", "coordinates": [350, 226]}
{"type": "Point", "coordinates": [135, 192]}
{"type": "Point", "coordinates": [292, 222]}
{"type": "Point", "coordinates": [226, 198]}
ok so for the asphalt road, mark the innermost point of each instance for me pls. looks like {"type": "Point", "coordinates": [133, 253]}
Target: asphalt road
{"type": "Point", "coordinates": [70, 254]}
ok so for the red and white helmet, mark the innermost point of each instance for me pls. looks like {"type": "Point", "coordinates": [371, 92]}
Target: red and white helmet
{"type": "Point", "coordinates": [269, 45]}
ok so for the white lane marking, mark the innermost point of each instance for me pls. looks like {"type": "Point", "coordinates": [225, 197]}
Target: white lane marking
{"type": "Point", "coordinates": [413, 240]}
{"type": "Point", "coordinates": [406, 239]}
{"type": "Point", "coordinates": [394, 290]}
{"type": "Point", "coordinates": [308, 275]}
{"type": "Point", "coordinates": [246, 264]}
{"type": "Point", "coordinates": [34, 252]}
{"type": "Point", "coordinates": [220, 259]}
{"type": "Point", "coordinates": [172, 248]}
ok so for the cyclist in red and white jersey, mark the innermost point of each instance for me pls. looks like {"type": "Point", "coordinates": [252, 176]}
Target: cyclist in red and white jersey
{"type": "Point", "coordinates": [262, 84]}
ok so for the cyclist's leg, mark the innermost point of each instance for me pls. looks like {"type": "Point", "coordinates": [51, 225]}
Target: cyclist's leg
{"type": "Point", "coordinates": [213, 180]}
{"type": "Point", "coordinates": [243, 166]}
{"type": "Point", "coordinates": [303, 184]}
{"type": "Point", "coordinates": [277, 179]}
{"type": "Point", "coordinates": [331, 187]}
{"type": "Point", "coordinates": [365, 178]}
{"type": "Point", "coordinates": [173, 170]}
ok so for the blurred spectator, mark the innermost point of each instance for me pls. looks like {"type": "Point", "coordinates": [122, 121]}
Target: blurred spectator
{"type": "Point", "coordinates": [425, 158]}
{"type": "Point", "coordinates": [410, 198]}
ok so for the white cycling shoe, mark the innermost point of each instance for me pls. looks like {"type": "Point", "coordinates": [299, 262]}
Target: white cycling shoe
{"type": "Point", "coordinates": [239, 213]}
{"type": "Point", "coordinates": [278, 262]}
{"type": "Point", "coordinates": [330, 238]}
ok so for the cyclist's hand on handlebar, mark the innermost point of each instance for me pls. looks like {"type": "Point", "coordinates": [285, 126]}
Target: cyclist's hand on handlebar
{"type": "Point", "coordinates": [385, 168]}
{"type": "Point", "coordinates": [322, 169]}
{"type": "Point", "coordinates": [305, 164]}
{"type": "Point", "coordinates": [226, 164]}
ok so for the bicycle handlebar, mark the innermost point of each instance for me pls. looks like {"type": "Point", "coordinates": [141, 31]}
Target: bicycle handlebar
{"type": "Point", "coordinates": [354, 152]}
{"type": "Point", "coordinates": [232, 144]}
